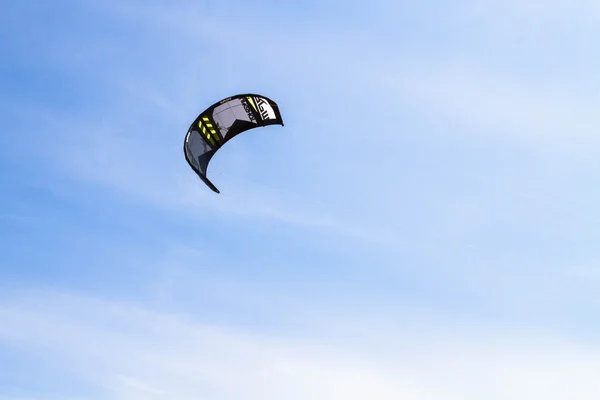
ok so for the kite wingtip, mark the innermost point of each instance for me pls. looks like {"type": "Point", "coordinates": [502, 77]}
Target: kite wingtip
{"type": "Point", "coordinates": [209, 184]}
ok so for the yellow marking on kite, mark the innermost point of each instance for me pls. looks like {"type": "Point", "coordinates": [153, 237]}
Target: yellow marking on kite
{"type": "Point", "coordinates": [211, 128]}
{"type": "Point", "coordinates": [207, 134]}
{"type": "Point", "coordinates": [251, 100]}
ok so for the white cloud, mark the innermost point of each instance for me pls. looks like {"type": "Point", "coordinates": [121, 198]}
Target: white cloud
{"type": "Point", "coordinates": [493, 103]}
{"type": "Point", "coordinates": [531, 12]}
{"type": "Point", "coordinates": [127, 352]}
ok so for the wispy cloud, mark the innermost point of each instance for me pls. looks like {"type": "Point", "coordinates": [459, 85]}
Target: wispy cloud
{"type": "Point", "coordinates": [138, 353]}
{"type": "Point", "coordinates": [552, 12]}
{"type": "Point", "coordinates": [497, 104]}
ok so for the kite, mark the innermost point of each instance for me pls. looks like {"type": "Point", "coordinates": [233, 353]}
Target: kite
{"type": "Point", "coordinates": [221, 122]}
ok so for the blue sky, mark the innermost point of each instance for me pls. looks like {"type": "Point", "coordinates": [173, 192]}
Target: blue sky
{"type": "Point", "coordinates": [425, 226]}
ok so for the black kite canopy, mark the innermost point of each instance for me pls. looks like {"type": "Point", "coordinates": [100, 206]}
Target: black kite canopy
{"type": "Point", "coordinates": [221, 122]}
